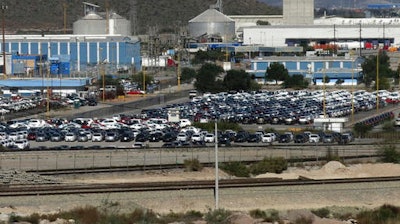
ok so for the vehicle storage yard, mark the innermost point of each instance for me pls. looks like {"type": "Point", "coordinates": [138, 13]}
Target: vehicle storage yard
{"type": "Point", "coordinates": [283, 198]}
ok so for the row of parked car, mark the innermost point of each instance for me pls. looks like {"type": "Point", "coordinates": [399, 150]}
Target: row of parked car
{"type": "Point", "coordinates": [272, 107]}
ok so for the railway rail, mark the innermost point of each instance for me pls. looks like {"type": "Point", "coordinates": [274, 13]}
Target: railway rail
{"type": "Point", "coordinates": [58, 189]}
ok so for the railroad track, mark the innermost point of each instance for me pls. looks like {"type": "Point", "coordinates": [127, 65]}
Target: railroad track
{"type": "Point", "coordinates": [58, 189]}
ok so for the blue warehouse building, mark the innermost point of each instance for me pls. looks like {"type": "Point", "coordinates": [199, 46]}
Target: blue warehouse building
{"type": "Point", "coordinates": [83, 51]}
{"type": "Point", "coordinates": [64, 63]}
{"type": "Point", "coordinates": [314, 68]}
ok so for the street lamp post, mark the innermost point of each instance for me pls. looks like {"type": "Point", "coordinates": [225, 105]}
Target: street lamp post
{"type": "Point", "coordinates": [3, 10]}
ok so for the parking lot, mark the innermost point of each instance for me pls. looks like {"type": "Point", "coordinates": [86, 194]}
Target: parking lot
{"type": "Point", "coordinates": [281, 110]}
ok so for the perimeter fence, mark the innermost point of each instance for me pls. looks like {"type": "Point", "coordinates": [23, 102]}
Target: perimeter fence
{"type": "Point", "coordinates": [153, 157]}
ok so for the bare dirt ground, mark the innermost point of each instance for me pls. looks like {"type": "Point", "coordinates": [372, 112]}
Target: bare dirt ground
{"type": "Point", "coordinates": [245, 203]}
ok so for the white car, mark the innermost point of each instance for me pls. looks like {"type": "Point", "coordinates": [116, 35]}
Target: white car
{"type": "Point", "coordinates": [209, 138]}
{"type": "Point", "coordinates": [197, 137]}
{"type": "Point", "coordinates": [22, 144]}
{"type": "Point", "coordinates": [268, 138]}
{"type": "Point", "coordinates": [70, 137]}
{"type": "Point", "coordinates": [182, 137]}
{"type": "Point", "coordinates": [97, 137]}
{"type": "Point", "coordinates": [314, 138]}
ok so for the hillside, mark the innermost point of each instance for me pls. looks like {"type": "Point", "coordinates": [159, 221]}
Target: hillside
{"type": "Point", "coordinates": [25, 16]}
{"type": "Point", "coordinates": [329, 4]}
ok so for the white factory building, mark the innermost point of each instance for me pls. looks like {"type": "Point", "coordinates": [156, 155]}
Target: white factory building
{"type": "Point", "coordinates": [297, 25]}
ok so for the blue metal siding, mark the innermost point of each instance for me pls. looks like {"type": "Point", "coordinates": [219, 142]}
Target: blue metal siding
{"type": "Point", "coordinates": [334, 64]}
{"type": "Point", "coordinates": [83, 53]}
{"type": "Point", "coordinates": [102, 51]}
{"type": "Point", "coordinates": [318, 66]}
{"type": "Point", "coordinates": [14, 47]}
{"type": "Point", "coordinates": [44, 47]}
{"type": "Point", "coordinates": [34, 48]}
{"type": "Point", "coordinates": [24, 48]}
{"type": "Point", "coordinates": [262, 66]}
{"type": "Point", "coordinates": [64, 48]}
{"type": "Point", "coordinates": [53, 48]}
{"type": "Point", "coordinates": [291, 65]}
{"type": "Point", "coordinates": [113, 52]}
{"type": "Point", "coordinates": [347, 64]}
{"type": "Point", "coordinates": [93, 51]}
{"type": "Point", "coordinates": [304, 65]}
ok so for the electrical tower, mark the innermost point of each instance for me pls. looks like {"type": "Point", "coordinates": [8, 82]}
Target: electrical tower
{"type": "Point", "coordinates": [133, 14]}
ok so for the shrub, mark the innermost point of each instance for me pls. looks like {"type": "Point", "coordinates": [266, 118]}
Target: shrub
{"type": "Point", "coordinates": [188, 217]}
{"type": "Point", "coordinates": [322, 212]}
{"type": "Point", "coordinates": [332, 155]}
{"type": "Point", "coordinates": [218, 216]}
{"type": "Point", "coordinates": [270, 165]}
{"type": "Point", "coordinates": [84, 215]}
{"type": "Point", "coordinates": [389, 154]}
{"type": "Point", "coordinates": [142, 216]}
{"type": "Point", "coordinates": [237, 169]}
{"type": "Point", "coordinates": [304, 220]}
{"type": "Point", "coordinates": [192, 165]}
{"type": "Point", "coordinates": [258, 214]}
{"type": "Point", "coordinates": [384, 214]}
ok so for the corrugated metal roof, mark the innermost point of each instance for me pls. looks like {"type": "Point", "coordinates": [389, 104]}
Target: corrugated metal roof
{"type": "Point", "coordinates": [115, 16]}
{"type": "Point", "coordinates": [211, 15]}
{"type": "Point", "coordinates": [92, 16]}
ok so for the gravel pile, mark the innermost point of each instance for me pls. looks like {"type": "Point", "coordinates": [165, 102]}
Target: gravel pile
{"type": "Point", "coordinates": [11, 177]}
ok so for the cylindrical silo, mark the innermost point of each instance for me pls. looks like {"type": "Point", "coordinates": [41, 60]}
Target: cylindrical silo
{"type": "Point", "coordinates": [212, 22]}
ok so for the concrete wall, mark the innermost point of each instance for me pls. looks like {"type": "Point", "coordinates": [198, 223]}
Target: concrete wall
{"type": "Point", "coordinates": [298, 12]}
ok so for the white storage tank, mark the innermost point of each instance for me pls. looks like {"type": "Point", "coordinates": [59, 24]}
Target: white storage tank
{"type": "Point", "coordinates": [212, 22]}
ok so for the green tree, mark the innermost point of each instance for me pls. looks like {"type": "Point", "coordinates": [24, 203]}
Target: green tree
{"type": "Point", "coordinates": [206, 78]}
{"type": "Point", "coordinates": [339, 82]}
{"type": "Point", "coordinates": [326, 79]}
{"type": "Point", "coordinates": [238, 80]}
{"type": "Point", "coordinates": [276, 71]}
{"type": "Point", "coordinates": [188, 74]}
{"type": "Point", "coordinates": [139, 78]}
{"type": "Point", "coordinates": [110, 81]}
{"type": "Point", "coordinates": [295, 81]}
{"type": "Point", "coordinates": [206, 56]}
{"type": "Point", "coordinates": [370, 70]}
{"type": "Point", "coordinates": [361, 129]}
{"type": "Point", "coordinates": [262, 23]}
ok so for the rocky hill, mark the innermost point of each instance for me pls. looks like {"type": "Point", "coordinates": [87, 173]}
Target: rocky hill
{"type": "Point", "coordinates": [27, 16]}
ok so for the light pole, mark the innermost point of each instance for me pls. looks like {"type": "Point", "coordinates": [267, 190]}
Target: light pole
{"type": "Point", "coordinates": [48, 90]}
{"type": "Point", "coordinates": [102, 70]}
{"type": "Point", "coordinates": [3, 10]}
{"type": "Point", "coordinates": [216, 190]}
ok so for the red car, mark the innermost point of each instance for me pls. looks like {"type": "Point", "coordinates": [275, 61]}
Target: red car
{"type": "Point", "coordinates": [135, 92]}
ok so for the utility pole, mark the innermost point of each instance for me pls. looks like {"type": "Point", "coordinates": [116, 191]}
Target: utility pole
{"type": "Point", "coordinates": [65, 17]}
{"type": "Point", "coordinates": [3, 10]}
{"type": "Point", "coordinates": [360, 40]}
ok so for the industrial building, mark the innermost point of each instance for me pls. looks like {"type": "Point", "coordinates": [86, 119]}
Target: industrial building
{"type": "Point", "coordinates": [100, 41]}
{"type": "Point", "coordinates": [347, 69]}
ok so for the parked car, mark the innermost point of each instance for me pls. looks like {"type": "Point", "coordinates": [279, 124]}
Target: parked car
{"type": "Point", "coordinates": [314, 138]}
{"type": "Point", "coordinates": [97, 137]}
{"type": "Point", "coordinates": [82, 138]}
{"type": "Point", "coordinates": [268, 138]}
{"type": "Point", "coordinates": [70, 137]}
{"type": "Point", "coordinates": [254, 138]}
{"type": "Point", "coordinates": [22, 144]}
{"type": "Point", "coordinates": [209, 138]}
{"type": "Point", "coordinates": [301, 138]}
{"type": "Point", "coordinates": [56, 137]}
{"type": "Point", "coordinates": [127, 137]}
{"type": "Point", "coordinates": [284, 138]}
{"type": "Point", "coordinates": [111, 136]}
{"type": "Point", "coordinates": [41, 137]}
